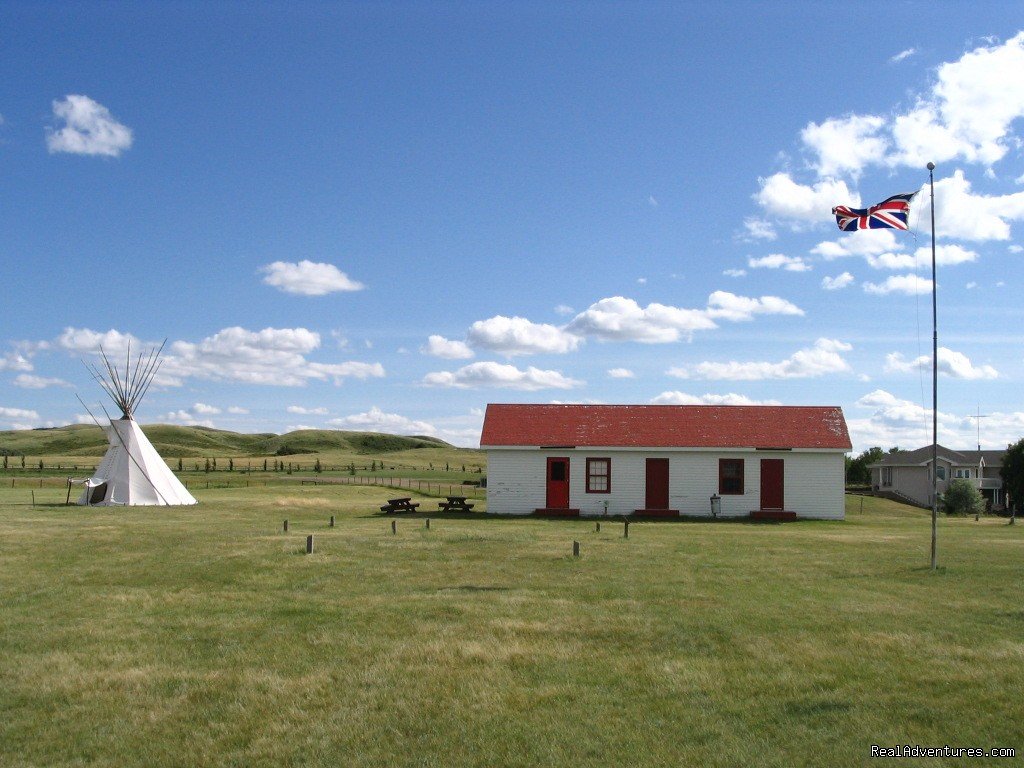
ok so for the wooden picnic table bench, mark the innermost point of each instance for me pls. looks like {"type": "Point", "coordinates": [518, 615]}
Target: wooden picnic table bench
{"type": "Point", "coordinates": [399, 505]}
{"type": "Point", "coordinates": [454, 504]}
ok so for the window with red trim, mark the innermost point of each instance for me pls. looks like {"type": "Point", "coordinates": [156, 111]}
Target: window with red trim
{"type": "Point", "coordinates": [599, 475]}
{"type": "Point", "coordinates": [730, 477]}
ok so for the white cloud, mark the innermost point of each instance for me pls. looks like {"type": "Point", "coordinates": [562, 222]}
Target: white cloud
{"type": "Point", "coordinates": [15, 361]}
{"type": "Point", "coordinates": [759, 229]}
{"type": "Point", "coordinates": [490, 374]}
{"type": "Point", "coordinates": [1015, 248]}
{"type": "Point", "coordinates": [300, 428]}
{"type": "Point", "coordinates": [89, 129]}
{"type": "Point", "coordinates": [903, 55]}
{"type": "Point", "coordinates": [238, 410]}
{"type": "Point", "coordinates": [273, 356]}
{"type": "Point", "coordinates": [945, 255]}
{"type": "Point", "coordinates": [18, 413]}
{"type": "Point", "coordinates": [621, 373]}
{"type": "Point", "coordinates": [621, 319]}
{"type": "Point", "coordinates": [642, 280]}
{"type": "Point", "coordinates": [959, 213]}
{"type": "Point", "coordinates": [779, 261]}
{"type": "Point", "coordinates": [956, 365]}
{"type": "Point", "coordinates": [185, 419]}
{"type": "Point", "coordinates": [836, 283]}
{"type": "Point", "coordinates": [308, 278]}
{"type": "Point", "coordinates": [782, 197]}
{"type": "Point", "coordinates": [675, 397]}
{"type": "Point", "coordinates": [971, 285]}
{"type": "Point", "coordinates": [302, 411]}
{"type": "Point", "coordinates": [564, 309]}
{"type": "Point", "coordinates": [376, 420]}
{"type": "Point", "coordinates": [862, 242]}
{"type": "Point", "coordinates": [734, 272]}
{"type": "Point", "coordinates": [518, 336]}
{"type": "Point", "coordinates": [439, 346]}
{"type": "Point", "coordinates": [845, 145]}
{"type": "Point", "coordinates": [728, 306]}
{"type": "Point", "coordinates": [894, 421]}
{"type": "Point", "coordinates": [823, 358]}
{"type": "Point", "coordinates": [205, 410]}
{"type": "Point", "coordinates": [908, 284]}
{"type": "Point", "coordinates": [84, 340]}
{"type": "Point", "coordinates": [28, 381]}
{"type": "Point", "coordinates": [969, 110]}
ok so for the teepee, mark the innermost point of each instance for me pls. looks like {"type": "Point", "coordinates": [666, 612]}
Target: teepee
{"type": "Point", "coordinates": [132, 472]}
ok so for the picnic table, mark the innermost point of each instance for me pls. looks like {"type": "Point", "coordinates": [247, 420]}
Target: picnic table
{"type": "Point", "coordinates": [454, 504]}
{"type": "Point", "coordinates": [399, 505]}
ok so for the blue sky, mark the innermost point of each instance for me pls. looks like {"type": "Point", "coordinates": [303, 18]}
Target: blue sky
{"type": "Point", "coordinates": [385, 216]}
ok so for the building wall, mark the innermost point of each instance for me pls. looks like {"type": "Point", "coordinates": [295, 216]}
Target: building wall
{"type": "Point", "coordinates": [914, 482]}
{"type": "Point", "coordinates": [813, 482]}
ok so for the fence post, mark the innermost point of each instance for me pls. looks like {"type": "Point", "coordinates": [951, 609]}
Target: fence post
{"type": "Point", "coordinates": [309, 544]}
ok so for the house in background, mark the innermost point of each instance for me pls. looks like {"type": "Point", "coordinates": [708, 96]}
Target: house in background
{"type": "Point", "coordinates": [779, 462]}
{"type": "Point", "coordinates": [907, 475]}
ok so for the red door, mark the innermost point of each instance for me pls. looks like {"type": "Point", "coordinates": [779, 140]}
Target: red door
{"type": "Point", "coordinates": [558, 483]}
{"type": "Point", "coordinates": [772, 495]}
{"type": "Point", "coordinates": [657, 484]}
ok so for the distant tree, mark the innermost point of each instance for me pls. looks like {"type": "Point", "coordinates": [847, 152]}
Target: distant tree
{"type": "Point", "coordinates": [857, 472]}
{"type": "Point", "coordinates": [22, 461]}
{"type": "Point", "coordinates": [214, 463]}
{"type": "Point", "coordinates": [894, 449]}
{"type": "Point", "coordinates": [316, 467]}
{"type": "Point", "coordinates": [1012, 473]}
{"type": "Point", "coordinates": [5, 461]}
{"type": "Point", "coordinates": [207, 469]}
{"type": "Point", "coordinates": [264, 465]}
{"type": "Point", "coordinates": [962, 498]}
{"type": "Point", "coordinates": [463, 468]}
{"type": "Point", "coordinates": [231, 465]}
{"type": "Point", "coordinates": [446, 467]}
{"type": "Point", "coordinates": [179, 464]}
{"type": "Point", "coordinates": [352, 468]}
{"type": "Point", "coordinates": [40, 465]}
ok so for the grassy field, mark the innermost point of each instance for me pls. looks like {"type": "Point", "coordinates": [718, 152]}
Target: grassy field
{"type": "Point", "coordinates": [205, 636]}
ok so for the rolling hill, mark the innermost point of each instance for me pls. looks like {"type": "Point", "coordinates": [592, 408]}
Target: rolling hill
{"type": "Point", "coordinates": [197, 442]}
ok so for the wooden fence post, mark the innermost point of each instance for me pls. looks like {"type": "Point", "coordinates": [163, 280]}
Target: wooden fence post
{"type": "Point", "coordinates": [332, 521]}
{"type": "Point", "coordinates": [625, 530]}
{"type": "Point", "coordinates": [286, 526]}
{"type": "Point", "coordinates": [597, 527]}
{"type": "Point", "coordinates": [428, 523]}
{"type": "Point", "coordinates": [394, 527]}
{"type": "Point", "coordinates": [575, 549]}
{"type": "Point", "coordinates": [309, 544]}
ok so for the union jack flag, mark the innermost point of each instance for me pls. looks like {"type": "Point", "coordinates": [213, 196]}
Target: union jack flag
{"type": "Point", "coordinates": [889, 214]}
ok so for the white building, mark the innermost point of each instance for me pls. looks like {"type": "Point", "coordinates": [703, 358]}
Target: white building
{"type": "Point", "coordinates": [780, 462]}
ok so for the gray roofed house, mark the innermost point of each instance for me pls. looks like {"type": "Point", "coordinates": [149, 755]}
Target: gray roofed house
{"type": "Point", "coordinates": [907, 474]}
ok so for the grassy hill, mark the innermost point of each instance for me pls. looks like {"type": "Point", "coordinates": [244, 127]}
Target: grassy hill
{"type": "Point", "coordinates": [336, 447]}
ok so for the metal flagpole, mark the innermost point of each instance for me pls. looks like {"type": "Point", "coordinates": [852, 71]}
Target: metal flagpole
{"type": "Point", "coordinates": [935, 378]}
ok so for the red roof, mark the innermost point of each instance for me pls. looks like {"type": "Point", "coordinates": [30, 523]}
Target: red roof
{"type": "Point", "coordinates": [666, 426]}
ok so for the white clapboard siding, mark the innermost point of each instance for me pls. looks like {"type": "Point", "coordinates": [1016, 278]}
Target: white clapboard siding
{"type": "Point", "coordinates": [813, 481]}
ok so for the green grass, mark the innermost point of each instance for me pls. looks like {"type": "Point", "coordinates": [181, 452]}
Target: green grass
{"type": "Point", "coordinates": [205, 636]}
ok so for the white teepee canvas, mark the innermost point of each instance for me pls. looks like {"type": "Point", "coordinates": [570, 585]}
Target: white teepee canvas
{"type": "Point", "coordinates": [132, 472]}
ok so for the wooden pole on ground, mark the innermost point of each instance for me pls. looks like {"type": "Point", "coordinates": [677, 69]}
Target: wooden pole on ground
{"type": "Point", "coordinates": [332, 521]}
{"type": "Point", "coordinates": [33, 498]}
{"type": "Point", "coordinates": [68, 499]}
{"type": "Point", "coordinates": [394, 527]}
{"type": "Point", "coordinates": [286, 526]}
{"type": "Point", "coordinates": [309, 544]}
{"type": "Point", "coordinates": [625, 530]}
{"type": "Point", "coordinates": [575, 549]}
{"type": "Point", "coordinates": [428, 523]}
{"type": "Point", "coordinates": [597, 527]}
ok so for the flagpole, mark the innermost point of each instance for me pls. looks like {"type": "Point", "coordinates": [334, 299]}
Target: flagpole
{"type": "Point", "coordinates": [935, 377]}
